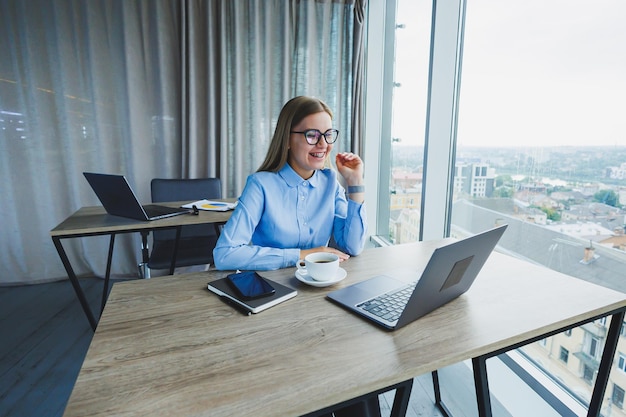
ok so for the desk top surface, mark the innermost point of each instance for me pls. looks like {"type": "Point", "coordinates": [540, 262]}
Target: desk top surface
{"type": "Point", "coordinates": [95, 220]}
{"type": "Point", "coordinates": [166, 346]}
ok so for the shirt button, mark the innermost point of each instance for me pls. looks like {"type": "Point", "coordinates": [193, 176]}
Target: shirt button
{"type": "Point", "coordinates": [305, 183]}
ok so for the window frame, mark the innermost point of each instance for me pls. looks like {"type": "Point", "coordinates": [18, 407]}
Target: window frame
{"type": "Point", "coordinates": [446, 46]}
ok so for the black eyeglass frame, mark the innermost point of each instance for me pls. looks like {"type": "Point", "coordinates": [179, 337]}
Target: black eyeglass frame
{"type": "Point", "coordinates": [319, 135]}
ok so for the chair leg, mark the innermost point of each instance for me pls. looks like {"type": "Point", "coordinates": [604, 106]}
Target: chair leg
{"type": "Point", "coordinates": [143, 270]}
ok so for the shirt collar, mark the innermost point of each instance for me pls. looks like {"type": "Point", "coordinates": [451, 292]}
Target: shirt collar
{"type": "Point", "coordinates": [292, 178]}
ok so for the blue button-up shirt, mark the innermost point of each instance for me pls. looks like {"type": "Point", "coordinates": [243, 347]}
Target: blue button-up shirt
{"type": "Point", "coordinates": [280, 213]}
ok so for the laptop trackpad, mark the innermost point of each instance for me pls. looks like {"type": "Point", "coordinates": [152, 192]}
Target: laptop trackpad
{"type": "Point", "coordinates": [362, 291]}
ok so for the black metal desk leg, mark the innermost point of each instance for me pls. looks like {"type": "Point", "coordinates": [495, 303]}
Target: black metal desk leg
{"type": "Point", "coordinates": [436, 387]}
{"type": "Point", "coordinates": [74, 280]}
{"type": "Point", "coordinates": [483, 399]}
{"type": "Point", "coordinates": [602, 379]}
{"type": "Point", "coordinates": [176, 240]}
{"type": "Point", "coordinates": [107, 275]}
{"type": "Point", "coordinates": [401, 399]}
{"type": "Point", "coordinates": [438, 400]}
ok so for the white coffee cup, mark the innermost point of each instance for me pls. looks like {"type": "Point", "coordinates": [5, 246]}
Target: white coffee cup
{"type": "Point", "coordinates": [321, 266]}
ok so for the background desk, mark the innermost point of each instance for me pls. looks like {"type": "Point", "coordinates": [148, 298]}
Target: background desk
{"type": "Point", "coordinates": [94, 221]}
{"type": "Point", "coordinates": [169, 347]}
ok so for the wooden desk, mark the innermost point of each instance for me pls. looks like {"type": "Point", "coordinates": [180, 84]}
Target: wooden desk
{"type": "Point", "coordinates": [169, 347]}
{"type": "Point", "coordinates": [94, 221]}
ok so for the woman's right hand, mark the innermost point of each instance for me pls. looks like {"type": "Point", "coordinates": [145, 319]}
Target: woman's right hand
{"type": "Point", "coordinates": [342, 256]}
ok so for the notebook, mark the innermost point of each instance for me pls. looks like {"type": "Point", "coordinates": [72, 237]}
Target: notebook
{"type": "Point", "coordinates": [118, 199]}
{"type": "Point", "coordinates": [449, 273]}
{"type": "Point", "coordinates": [211, 205]}
{"type": "Point", "coordinates": [224, 291]}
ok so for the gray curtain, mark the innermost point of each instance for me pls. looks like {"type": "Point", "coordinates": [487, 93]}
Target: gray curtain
{"type": "Point", "coordinates": [159, 88]}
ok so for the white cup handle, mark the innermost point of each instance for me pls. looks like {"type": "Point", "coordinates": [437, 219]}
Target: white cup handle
{"type": "Point", "coordinates": [302, 267]}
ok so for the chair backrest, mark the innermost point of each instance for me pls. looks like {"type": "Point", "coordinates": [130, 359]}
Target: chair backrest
{"type": "Point", "coordinates": [165, 189]}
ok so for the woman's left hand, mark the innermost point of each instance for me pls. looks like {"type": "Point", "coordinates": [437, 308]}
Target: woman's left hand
{"type": "Point", "coordinates": [350, 166]}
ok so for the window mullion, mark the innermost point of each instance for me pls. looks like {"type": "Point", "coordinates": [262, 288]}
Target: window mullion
{"type": "Point", "coordinates": [441, 119]}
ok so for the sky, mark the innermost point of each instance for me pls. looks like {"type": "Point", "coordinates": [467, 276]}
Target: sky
{"type": "Point", "coordinates": [535, 73]}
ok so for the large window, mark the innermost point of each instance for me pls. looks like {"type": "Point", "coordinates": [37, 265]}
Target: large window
{"type": "Point", "coordinates": [532, 135]}
{"type": "Point", "coordinates": [540, 145]}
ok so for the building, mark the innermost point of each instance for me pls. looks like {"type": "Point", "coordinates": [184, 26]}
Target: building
{"type": "Point", "coordinates": [617, 173]}
{"type": "Point", "coordinates": [474, 180]}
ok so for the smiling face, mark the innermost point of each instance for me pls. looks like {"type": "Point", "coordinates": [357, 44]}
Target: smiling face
{"type": "Point", "coordinates": [305, 158]}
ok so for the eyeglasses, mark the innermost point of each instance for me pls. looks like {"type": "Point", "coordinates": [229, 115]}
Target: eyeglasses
{"type": "Point", "coordinates": [313, 136]}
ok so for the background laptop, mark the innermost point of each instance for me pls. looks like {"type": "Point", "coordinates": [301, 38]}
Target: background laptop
{"type": "Point", "coordinates": [118, 199]}
{"type": "Point", "coordinates": [449, 273]}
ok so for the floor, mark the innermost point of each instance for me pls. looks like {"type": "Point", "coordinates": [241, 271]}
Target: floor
{"type": "Point", "coordinates": [45, 337]}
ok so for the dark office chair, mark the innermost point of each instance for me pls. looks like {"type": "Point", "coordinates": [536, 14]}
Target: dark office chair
{"type": "Point", "coordinates": [196, 243]}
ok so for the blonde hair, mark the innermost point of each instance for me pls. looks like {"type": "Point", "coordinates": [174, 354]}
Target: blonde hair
{"type": "Point", "coordinates": [291, 114]}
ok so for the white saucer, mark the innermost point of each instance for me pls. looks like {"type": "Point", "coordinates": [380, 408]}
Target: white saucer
{"type": "Point", "coordinates": [341, 274]}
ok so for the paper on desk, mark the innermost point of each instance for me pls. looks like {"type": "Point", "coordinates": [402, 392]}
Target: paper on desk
{"type": "Point", "coordinates": [211, 205]}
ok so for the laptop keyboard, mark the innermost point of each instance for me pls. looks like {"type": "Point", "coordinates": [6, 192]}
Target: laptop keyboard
{"type": "Point", "coordinates": [389, 306]}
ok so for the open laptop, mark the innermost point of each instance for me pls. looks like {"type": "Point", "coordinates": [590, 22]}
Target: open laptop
{"type": "Point", "coordinates": [394, 301]}
{"type": "Point", "coordinates": [118, 199]}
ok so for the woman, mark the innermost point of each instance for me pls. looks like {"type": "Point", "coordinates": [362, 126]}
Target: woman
{"type": "Point", "coordinates": [293, 205]}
